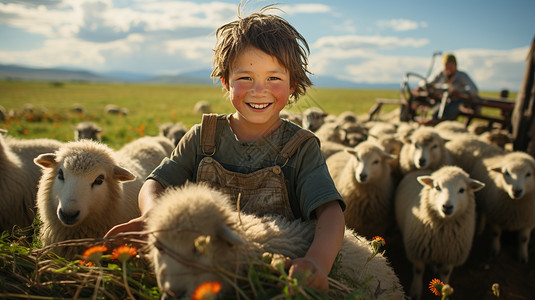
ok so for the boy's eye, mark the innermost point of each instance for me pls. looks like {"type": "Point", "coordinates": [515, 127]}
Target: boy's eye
{"type": "Point", "coordinates": [244, 78]}
{"type": "Point", "coordinates": [274, 78]}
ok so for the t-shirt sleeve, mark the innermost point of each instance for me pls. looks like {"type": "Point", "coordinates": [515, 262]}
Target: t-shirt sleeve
{"type": "Point", "coordinates": [314, 184]}
{"type": "Point", "coordinates": [180, 166]}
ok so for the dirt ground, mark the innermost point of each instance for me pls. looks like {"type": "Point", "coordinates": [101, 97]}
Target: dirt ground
{"type": "Point", "coordinates": [474, 279]}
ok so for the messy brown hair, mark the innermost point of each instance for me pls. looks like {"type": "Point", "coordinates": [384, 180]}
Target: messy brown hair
{"type": "Point", "coordinates": [271, 34]}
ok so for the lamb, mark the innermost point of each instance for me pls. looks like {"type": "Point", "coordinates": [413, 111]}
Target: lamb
{"type": "Point", "coordinates": [202, 107]}
{"type": "Point", "coordinates": [113, 109]}
{"type": "Point", "coordinates": [85, 190]}
{"type": "Point", "coordinates": [186, 217]}
{"type": "Point", "coordinates": [362, 176]}
{"type": "Point", "coordinates": [423, 149]}
{"type": "Point", "coordinates": [147, 151]}
{"type": "Point", "coordinates": [173, 131]}
{"type": "Point", "coordinates": [313, 118]}
{"type": "Point", "coordinates": [87, 130]}
{"type": "Point", "coordinates": [290, 116]}
{"type": "Point", "coordinates": [18, 179]}
{"type": "Point", "coordinates": [508, 201]}
{"type": "Point", "coordinates": [466, 151]}
{"type": "Point", "coordinates": [436, 215]}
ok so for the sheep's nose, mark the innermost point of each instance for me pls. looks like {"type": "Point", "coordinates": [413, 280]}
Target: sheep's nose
{"type": "Point", "coordinates": [517, 192]}
{"type": "Point", "coordinates": [422, 161]}
{"type": "Point", "coordinates": [68, 219]}
{"type": "Point", "coordinates": [447, 209]}
{"type": "Point", "coordinates": [363, 177]}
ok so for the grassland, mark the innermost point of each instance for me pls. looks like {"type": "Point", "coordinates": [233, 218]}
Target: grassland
{"type": "Point", "coordinates": [148, 106]}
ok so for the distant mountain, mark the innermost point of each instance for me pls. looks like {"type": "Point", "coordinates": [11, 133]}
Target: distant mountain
{"type": "Point", "coordinates": [14, 72]}
{"type": "Point", "coordinates": [200, 77]}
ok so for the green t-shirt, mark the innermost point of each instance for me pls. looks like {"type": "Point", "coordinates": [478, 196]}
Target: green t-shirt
{"type": "Point", "coordinates": [308, 181]}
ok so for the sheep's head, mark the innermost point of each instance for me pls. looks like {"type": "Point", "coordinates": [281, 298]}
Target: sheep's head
{"type": "Point", "coordinates": [191, 238]}
{"type": "Point", "coordinates": [370, 161]}
{"type": "Point", "coordinates": [516, 173]}
{"type": "Point", "coordinates": [449, 191]}
{"type": "Point", "coordinates": [313, 118]}
{"type": "Point", "coordinates": [81, 175]}
{"type": "Point", "coordinates": [427, 147]}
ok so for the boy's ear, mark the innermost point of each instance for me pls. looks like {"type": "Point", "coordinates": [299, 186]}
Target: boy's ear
{"type": "Point", "coordinates": [224, 83]}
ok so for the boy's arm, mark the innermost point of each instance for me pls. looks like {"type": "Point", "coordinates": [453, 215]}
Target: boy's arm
{"type": "Point", "coordinates": [146, 200]}
{"type": "Point", "coordinates": [328, 237]}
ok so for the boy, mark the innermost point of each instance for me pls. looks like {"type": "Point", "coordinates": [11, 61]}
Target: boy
{"type": "Point", "coordinates": [265, 164]}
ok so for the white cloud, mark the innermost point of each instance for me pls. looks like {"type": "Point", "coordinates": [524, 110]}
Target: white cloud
{"type": "Point", "coordinates": [368, 42]}
{"type": "Point", "coordinates": [195, 49]}
{"type": "Point", "coordinates": [401, 24]}
{"type": "Point", "coordinates": [305, 8]}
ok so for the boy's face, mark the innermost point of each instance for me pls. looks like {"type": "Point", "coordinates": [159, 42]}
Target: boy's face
{"type": "Point", "coordinates": [258, 86]}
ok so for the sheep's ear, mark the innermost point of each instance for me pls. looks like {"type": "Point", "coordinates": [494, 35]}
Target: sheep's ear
{"type": "Point", "coordinates": [228, 235]}
{"type": "Point", "coordinates": [46, 160]}
{"type": "Point", "coordinates": [389, 156]}
{"type": "Point", "coordinates": [476, 185]}
{"type": "Point", "coordinates": [122, 174]}
{"type": "Point", "coordinates": [350, 151]}
{"type": "Point", "coordinates": [495, 169]}
{"type": "Point", "coordinates": [425, 180]}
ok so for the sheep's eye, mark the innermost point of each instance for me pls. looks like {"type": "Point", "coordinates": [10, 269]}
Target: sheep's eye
{"type": "Point", "coordinates": [461, 191]}
{"type": "Point", "coordinates": [528, 174]}
{"type": "Point", "coordinates": [375, 161]}
{"type": "Point", "coordinates": [416, 146]}
{"type": "Point", "coordinates": [438, 188]}
{"type": "Point", "coordinates": [98, 181]}
{"type": "Point", "coordinates": [60, 175]}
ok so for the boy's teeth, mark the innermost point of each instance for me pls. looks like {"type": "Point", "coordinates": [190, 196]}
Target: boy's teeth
{"type": "Point", "coordinates": [258, 106]}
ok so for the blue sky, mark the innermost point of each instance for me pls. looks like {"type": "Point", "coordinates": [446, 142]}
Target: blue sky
{"type": "Point", "coordinates": [362, 41]}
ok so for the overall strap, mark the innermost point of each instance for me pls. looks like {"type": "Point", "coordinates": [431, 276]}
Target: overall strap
{"type": "Point", "coordinates": [295, 141]}
{"type": "Point", "coordinates": [208, 134]}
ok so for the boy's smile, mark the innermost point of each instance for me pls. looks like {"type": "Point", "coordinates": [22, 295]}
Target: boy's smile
{"type": "Point", "coordinates": [259, 88]}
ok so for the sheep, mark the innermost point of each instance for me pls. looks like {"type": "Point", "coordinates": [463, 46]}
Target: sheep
{"type": "Point", "coordinates": [87, 130]}
{"type": "Point", "coordinates": [436, 215]}
{"type": "Point", "coordinates": [362, 176]}
{"type": "Point", "coordinates": [313, 118]}
{"type": "Point", "coordinates": [392, 144]}
{"type": "Point", "coordinates": [423, 149]}
{"type": "Point", "coordinates": [378, 128]}
{"type": "Point", "coordinates": [508, 201]}
{"type": "Point", "coordinates": [77, 108]}
{"type": "Point", "coordinates": [113, 109]}
{"type": "Point", "coordinates": [195, 213]}
{"type": "Point", "coordinates": [202, 107]}
{"type": "Point", "coordinates": [18, 179]}
{"type": "Point", "coordinates": [173, 131]}
{"type": "Point", "coordinates": [496, 137]}
{"type": "Point", "coordinates": [85, 189]}
{"type": "Point", "coordinates": [466, 151]}
{"type": "Point", "coordinates": [147, 151]}
{"type": "Point", "coordinates": [347, 117]}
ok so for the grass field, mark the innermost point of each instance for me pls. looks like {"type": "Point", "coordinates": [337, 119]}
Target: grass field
{"type": "Point", "coordinates": [148, 106]}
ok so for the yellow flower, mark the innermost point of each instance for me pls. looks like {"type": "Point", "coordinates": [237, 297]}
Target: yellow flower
{"type": "Point", "coordinates": [206, 291]}
{"type": "Point", "coordinates": [436, 286]}
{"type": "Point", "coordinates": [123, 253]}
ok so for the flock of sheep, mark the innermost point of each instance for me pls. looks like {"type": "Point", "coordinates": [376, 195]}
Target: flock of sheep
{"type": "Point", "coordinates": [439, 186]}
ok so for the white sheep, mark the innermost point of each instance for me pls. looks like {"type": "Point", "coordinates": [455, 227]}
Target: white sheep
{"type": "Point", "coordinates": [18, 179]}
{"type": "Point", "coordinates": [82, 195]}
{"type": "Point", "coordinates": [195, 214]}
{"type": "Point", "coordinates": [362, 176]}
{"type": "Point", "coordinates": [508, 200]}
{"type": "Point", "coordinates": [147, 152]}
{"type": "Point", "coordinates": [436, 215]}
{"type": "Point", "coordinates": [423, 149]}
{"type": "Point", "coordinates": [313, 118]}
{"type": "Point", "coordinates": [466, 151]}
{"type": "Point", "coordinates": [172, 131]}
{"type": "Point", "coordinates": [202, 107]}
{"type": "Point", "coordinates": [87, 130]}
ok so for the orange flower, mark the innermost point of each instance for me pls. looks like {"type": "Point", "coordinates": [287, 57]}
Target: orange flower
{"type": "Point", "coordinates": [85, 263]}
{"type": "Point", "coordinates": [436, 286]}
{"type": "Point", "coordinates": [206, 291]}
{"type": "Point", "coordinates": [94, 253]}
{"type": "Point", "coordinates": [123, 253]}
{"type": "Point", "coordinates": [379, 239]}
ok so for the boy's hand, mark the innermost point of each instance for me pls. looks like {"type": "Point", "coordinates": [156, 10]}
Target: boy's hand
{"type": "Point", "coordinates": [133, 225]}
{"type": "Point", "coordinates": [307, 272]}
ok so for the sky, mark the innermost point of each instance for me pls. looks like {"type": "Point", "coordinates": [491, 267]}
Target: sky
{"type": "Point", "coordinates": [371, 41]}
